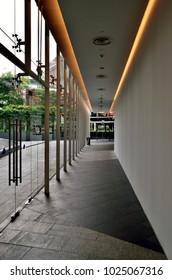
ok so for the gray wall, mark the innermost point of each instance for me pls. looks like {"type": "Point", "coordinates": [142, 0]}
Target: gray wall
{"type": "Point", "coordinates": [143, 127]}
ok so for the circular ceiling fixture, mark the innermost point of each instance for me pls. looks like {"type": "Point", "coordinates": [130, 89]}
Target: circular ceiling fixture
{"type": "Point", "coordinates": [101, 76]}
{"type": "Point", "coordinates": [102, 41]}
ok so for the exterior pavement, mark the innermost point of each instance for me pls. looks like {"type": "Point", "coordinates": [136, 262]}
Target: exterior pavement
{"type": "Point", "coordinates": [92, 213]}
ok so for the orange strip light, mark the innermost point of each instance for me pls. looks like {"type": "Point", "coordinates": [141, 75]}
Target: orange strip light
{"type": "Point", "coordinates": [135, 46]}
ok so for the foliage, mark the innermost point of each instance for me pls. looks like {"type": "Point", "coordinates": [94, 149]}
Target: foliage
{"type": "Point", "coordinates": [13, 105]}
{"type": "Point", "coordinates": [8, 95]}
{"type": "Point", "coordinates": [6, 82]}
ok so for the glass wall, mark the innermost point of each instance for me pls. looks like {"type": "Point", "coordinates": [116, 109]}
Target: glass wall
{"type": "Point", "coordinates": [12, 26]}
{"type": "Point", "coordinates": [62, 109]}
{"type": "Point", "coordinates": [52, 104]}
{"type": "Point", "coordinates": [37, 39]}
{"type": "Point", "coordinates": [22, 113]}
{"type": "Point", "coordinates": [23, 110]}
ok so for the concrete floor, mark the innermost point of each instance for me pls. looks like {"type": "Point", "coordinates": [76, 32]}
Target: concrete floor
{"type": "Point", "coordinates": [92, 213]}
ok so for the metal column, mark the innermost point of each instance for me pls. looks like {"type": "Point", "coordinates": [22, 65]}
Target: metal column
{"type": "Point", "coordinates": [73, 120]}
{"type": "Point", "coordinates": [28, 33]}
{"type": "Point", "coordinates": [65, 117]}
{"type": "Point", "coordinates": [77, 120]}
{"type": "Point", "coordinates": [80, 123]}
{"type": "Point", "coordinates": [58, 123]}
{"type": "Point", "coordinates": [70, 119]}
{"type": "Point", "coordinates": [46, 110]}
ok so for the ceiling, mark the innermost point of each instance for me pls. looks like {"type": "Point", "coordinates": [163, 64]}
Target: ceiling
{"type": "Point", "coordinates": [86, 20]}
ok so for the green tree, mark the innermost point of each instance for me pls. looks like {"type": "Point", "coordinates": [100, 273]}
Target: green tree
{"type": "Point", "coordinates": [6, 82]}
{"type": "Point", "coordinates": [8, 95]}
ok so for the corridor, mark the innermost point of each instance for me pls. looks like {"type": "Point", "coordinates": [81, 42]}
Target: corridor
{"type": "Point", "coordinates": [92, 213]}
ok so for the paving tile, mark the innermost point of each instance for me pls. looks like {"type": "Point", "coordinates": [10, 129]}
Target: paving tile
{"type": "Point", "coordinates": [15, 253]}
{"type": "Point", "coordinates": [95, 248]}
{"type": "Point", "coordinates": [57, 242]}
{"type": "Point", "coordinates": [29, 214]}
{"type": "Point", "coordinates": [8, 234]}
{"type": "Point", "coordinates": [32, 239]}
{"type": "Point", "coordinates": [73, 232]}
{"type": "Point", "coordinates": [35, 226]}
{"type": "Point", "coordinates": [18, 224]}
{"type": "Point", "coordinates": [4, 248]}
{"type": "Point", "coordinates": [47, 254]}
{"type": "Point", "coordinates": [30, 226]}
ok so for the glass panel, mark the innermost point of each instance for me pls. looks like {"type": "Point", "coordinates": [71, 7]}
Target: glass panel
{"type": "Point", "coordinates": [7, 97]}
{"type": "Point", "coordinates": [11, 23]}
{"type": "Point", "coordinates": [33, 138]}
{"type": "Point", "coordinates": [67, 133]}
{"type": "Point", "coordinates": [7, 23]}
{"type": "Point", "coordinates": [37, 39]}
{"type": "Point", "coordinates": [20, 101]}
{"type": "Point", "coordinates": [62, 107]}
{"type": "Point", "coordinates": [52, 104]}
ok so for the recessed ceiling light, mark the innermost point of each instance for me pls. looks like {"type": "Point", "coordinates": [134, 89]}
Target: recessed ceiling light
{"type": "Point", "coordinates": [101, 41]}
{"type": "Point", "coordinates": [101, 67]}
{"type": "Point", "coordinates": [101, 76]}
{"type": "Point", "coordinates": [101, 89]}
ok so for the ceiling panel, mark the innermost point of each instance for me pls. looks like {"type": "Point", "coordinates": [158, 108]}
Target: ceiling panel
{"type": "Point", "coordinates": [88, 19]}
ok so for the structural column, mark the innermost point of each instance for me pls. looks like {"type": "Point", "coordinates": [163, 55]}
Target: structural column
{"type": "Point", "coordinates": [65, 117]}
{"type": "Point", "coordinates": [46, 110]}
{"type": "Point", "coordinates": [73, 120]}
{"type": "Point", "coordinates": [70, 119]}
{"type": "Point", "coordinates": [58, 117]}
{"type": "Point", "coordinates": [28, 34]}
{"type": "Point", "coordinates": [77, 121]}
{"type": "Point", "coordinates": [80, 124]}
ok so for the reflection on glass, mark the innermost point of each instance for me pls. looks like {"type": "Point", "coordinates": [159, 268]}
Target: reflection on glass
{"type": "Point", "coordinates": [23, 102]}
{"type": "Point", "coordinates": [52, 105]}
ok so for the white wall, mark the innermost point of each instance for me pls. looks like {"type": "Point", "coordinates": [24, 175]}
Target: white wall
{"type": "Point", "coordinates": [143, 140]}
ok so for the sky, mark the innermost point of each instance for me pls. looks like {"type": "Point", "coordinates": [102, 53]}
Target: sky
{"type": "Point", "coordinates": [9, 26]}
{"type": "Point", "coordinates": [8, 9]}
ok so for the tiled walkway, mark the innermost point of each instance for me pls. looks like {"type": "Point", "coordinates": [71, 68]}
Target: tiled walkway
{"type": "Point", "coordinates": [92, 213]}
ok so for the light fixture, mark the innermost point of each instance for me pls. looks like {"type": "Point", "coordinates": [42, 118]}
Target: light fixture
{"type": "Point", "coordinates": [140, 33]}
{"type": "Point", "coordinates": [101, 89]}
{"type": "Point", "coordinates": [102, 41]}
{"type": "Point", "coordinates": [101, 76]}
